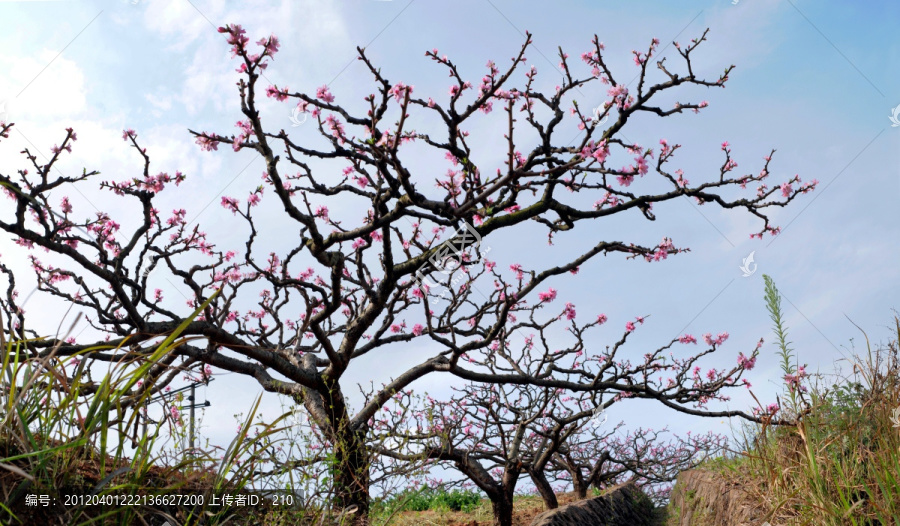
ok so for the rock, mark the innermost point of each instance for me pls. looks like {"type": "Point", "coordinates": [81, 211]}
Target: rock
{"type": "Point", "coordinates": [623, 505]}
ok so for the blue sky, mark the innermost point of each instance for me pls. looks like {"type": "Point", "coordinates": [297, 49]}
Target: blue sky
{"type": "Point", "coordinates": [817, 81]}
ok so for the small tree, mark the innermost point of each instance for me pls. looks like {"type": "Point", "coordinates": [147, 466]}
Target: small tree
{"type": "Point", "coordinates": [494, 434]}
{"type": "Point", "coordinates": [294, 318]}
{"type": "Point", "coordinates": [649, 457]}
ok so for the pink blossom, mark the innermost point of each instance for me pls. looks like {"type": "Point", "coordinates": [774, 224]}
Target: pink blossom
{"type": "Point", "coordinates": [271, 44]}
{"type": "Point", "coordinates": [398, 91]}
{"type": "Point", "coordinates": [236, 36]}
{"type": "Point", "coordinates": [687, 338]}
{"type": "Point", "coordinates": [746, 363]}
{"type": "Point", "coordinates": [641, 165]}
{"type": "Point", "coordinates": [629, 326]}
{"type": "Point", "coordinates": [324, 94]}
{"type": "Point", "coordinates": [279, 94]}
{"type": "Point", "coordinates": [417, 328]}
{"type": "Point", "coordinates": [601, 319]}
{"type": "Point", "coordinates": [230, 203]}
{"type": "Point", "coordinates": [206, 143]}
{"type": "Point", "coordinates": [618, 91]}
{"type": "Point", "coordinates": [176, 416]}
{"type": "Point", "coordinates": [548, 296]}
{"type": "Point", "coordinates": [625, 180]}
{"type": "Point", "coordinates": [570, 311]}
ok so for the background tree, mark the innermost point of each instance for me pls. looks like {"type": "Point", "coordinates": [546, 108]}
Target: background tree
{"type": "Point", "coordinates": [295, 317]}
{"type": "Point", "coordinates": [650, 457]}
{"type": "Point", "coordinates": [494, 434]}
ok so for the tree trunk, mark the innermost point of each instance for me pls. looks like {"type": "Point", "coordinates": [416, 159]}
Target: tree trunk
{"type": "Point", "coordinates": [579, 485]}
{"type": "Point", "coordinates": [502, 505]}
{"type": "Point", "coordinates": [351, 480]}
{"type": "Point", "coordinates": [350, 471]}
{"type": "Point", "coordinates": [544, 489]}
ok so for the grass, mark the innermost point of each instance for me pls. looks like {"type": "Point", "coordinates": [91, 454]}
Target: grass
{"type": "Point", "coordinates": [57, 442]}
{"type": "Point", "coordinates": [431, 499]}
{"type": "Point", "coordinates": [437, 508]}
{"type": "Point", "coordinates": [840, 464]}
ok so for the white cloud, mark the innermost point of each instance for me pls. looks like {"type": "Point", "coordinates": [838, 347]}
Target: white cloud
{"type": "Point", "coordinates": [163, 102]}
{"type": "Point", "coordinates": [306, 29]}
{"type": "Point", "coordinates": [40, 86]}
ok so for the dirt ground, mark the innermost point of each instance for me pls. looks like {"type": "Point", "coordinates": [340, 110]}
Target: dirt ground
{"type": "Point", "coordinates": [526, 508]}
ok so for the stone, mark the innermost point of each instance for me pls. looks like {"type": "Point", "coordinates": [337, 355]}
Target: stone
{"type": "Point", "coordinates": [622, 505]}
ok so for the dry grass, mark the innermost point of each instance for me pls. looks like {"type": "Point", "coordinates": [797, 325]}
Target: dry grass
{"type": "Point", "coordinates": [841, 464]}
{"type": "Point", "coordinates": [526, 507]}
